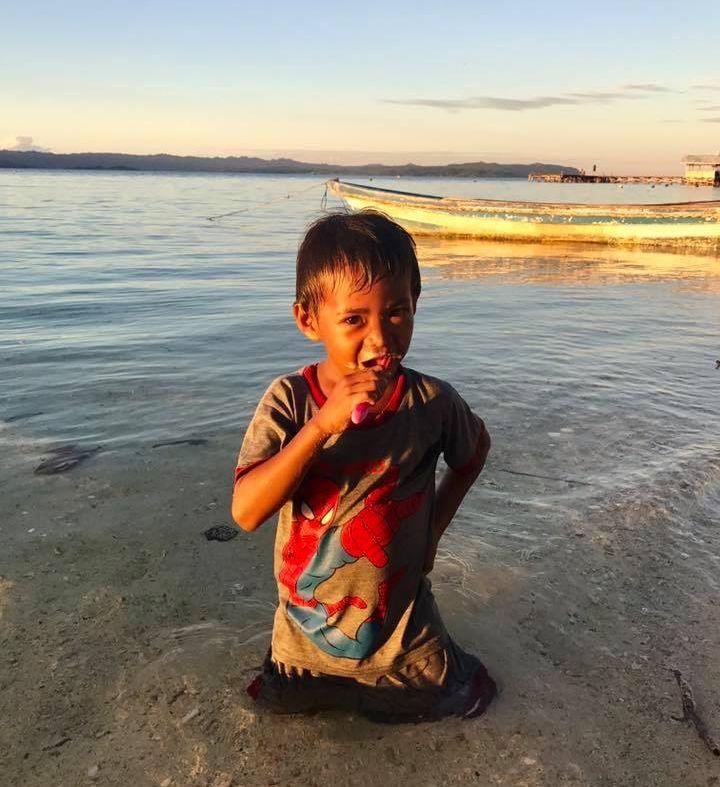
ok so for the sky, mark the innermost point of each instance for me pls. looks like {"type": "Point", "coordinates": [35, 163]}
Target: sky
{"type": "Point", "coordinates": [630, 87]}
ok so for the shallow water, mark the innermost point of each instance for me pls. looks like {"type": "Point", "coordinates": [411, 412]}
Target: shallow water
{"type": "Point", "coordinates": [128, 318]}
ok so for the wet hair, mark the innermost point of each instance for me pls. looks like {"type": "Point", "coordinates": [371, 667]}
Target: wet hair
{"type": "Point", "coordinates": [367, 246]}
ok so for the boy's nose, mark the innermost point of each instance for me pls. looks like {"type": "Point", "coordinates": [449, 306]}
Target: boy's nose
{"type": "Point", "coordinates": [378, 336]}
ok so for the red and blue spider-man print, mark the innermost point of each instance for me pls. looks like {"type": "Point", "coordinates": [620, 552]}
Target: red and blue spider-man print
{"type": "Point", "coordinates": [317, 548]}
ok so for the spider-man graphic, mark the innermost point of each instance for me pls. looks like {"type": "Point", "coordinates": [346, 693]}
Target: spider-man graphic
{"type": "Point", "coordinates": [316, 549]}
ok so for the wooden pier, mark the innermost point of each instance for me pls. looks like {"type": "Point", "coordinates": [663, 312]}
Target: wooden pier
{"type": "Point", "coordinates": [567, 177]}
{"type": "Point", "coordinates": [700, 170]}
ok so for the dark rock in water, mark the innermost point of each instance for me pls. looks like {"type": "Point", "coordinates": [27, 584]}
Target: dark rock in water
{"type": "Point", "coordinates": [187, 441]}
{"type": "Point", "coordinates": [21, 416]}
{"type": "Point", "coordinates": [65, 458]}
{"type": "Point", "coordinates": [221, 533]}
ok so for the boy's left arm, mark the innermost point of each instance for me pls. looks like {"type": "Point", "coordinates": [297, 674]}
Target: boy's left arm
{"type": "Point", "coordinates": [449, 495]}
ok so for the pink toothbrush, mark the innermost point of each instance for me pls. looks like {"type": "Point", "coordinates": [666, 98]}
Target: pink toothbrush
{"type": "Point", "coordinates": [360, 411]}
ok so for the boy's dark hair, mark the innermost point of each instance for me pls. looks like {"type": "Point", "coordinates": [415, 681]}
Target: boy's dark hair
{"type": "Point", "coordinates": [367, 244]}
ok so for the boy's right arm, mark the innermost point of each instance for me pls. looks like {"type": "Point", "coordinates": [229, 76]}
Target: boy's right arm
{"type": "Point", "coordinates": [261, 491]}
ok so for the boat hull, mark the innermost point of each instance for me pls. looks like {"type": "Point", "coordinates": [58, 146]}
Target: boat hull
{"type": "Point", "coordinates": [684, 224]}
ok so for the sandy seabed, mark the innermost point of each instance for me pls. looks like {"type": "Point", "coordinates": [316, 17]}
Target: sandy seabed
{"type": "Point", "coordinates": [126, 641]}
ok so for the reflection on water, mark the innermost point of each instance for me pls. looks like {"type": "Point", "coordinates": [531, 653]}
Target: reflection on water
{"type": "Point", "coordinates": [576, 264]}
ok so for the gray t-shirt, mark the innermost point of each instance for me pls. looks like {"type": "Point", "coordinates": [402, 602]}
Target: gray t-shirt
{"type": "Point", "coordinates": [351, 544]}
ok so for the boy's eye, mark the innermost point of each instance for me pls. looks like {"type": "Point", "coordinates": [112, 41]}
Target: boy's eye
{"type": "Point", "coordinates": [352, 319]}
{"type": "Point", "coordinates": [398, 315]}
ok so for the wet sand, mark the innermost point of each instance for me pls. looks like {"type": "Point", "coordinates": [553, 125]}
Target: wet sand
{"type": "Point", "coordinates": [127, 639]}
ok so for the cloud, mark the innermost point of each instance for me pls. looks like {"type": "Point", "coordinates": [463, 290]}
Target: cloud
{"type": "Point", "coordinates": [26, 144]}
{"type": "Point", "coordinates": [707, 86]}
{"type": "Point", "coordinates": [710, 120]}
{"type": "Point", "coordinates": [710, 108]}
{"type": "Point", "coordinates": [649, 87]}
{"type": "Point", "coordinates": [605, 95]}
{"type": "Point", "coordinates": [623, 93]}
{"type": "Point", "coordinates": [485, 102]}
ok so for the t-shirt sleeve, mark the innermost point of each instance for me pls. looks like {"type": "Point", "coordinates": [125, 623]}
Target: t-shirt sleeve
{"type": "Point", "coordinates": [464, 435]}
{"type": "Point", "coordinates": [272, 426]}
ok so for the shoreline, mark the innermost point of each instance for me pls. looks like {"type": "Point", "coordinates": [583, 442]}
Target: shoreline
{"type": "Point", "coordinates": [128, 639]}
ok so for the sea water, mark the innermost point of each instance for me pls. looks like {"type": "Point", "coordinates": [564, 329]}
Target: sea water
{"type": "Point", "coordinates": [127, 317]}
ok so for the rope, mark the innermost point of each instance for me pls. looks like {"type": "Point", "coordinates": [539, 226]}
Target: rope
{"type": "Point", "coordinates": [274, 200]}
{"type": "Point", "coordinates": [323, 208]}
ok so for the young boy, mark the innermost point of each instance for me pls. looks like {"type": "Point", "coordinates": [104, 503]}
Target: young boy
{"type": "Point", "coordinates": [360, 515]}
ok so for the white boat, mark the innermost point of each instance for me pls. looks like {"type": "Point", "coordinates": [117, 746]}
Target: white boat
{"type": "Point", "coordinates": [695, 224]}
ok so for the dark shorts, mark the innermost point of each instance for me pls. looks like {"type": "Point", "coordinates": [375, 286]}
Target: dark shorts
{"type": "Point", "coordinates": [449, 682]}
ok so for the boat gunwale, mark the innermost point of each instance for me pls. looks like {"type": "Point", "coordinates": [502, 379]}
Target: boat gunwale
{"type": "Point", "coordinates": [699, 206]}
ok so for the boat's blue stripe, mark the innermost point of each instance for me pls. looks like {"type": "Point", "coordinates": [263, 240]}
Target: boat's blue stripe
{"type": "Point", "coordinates": [560, 219]}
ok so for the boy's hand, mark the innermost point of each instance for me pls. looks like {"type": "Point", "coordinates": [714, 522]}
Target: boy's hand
{"type": "Point", "coordinates": [366, 385]}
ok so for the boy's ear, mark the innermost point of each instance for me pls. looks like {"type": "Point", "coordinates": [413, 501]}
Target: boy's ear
{"type": "Point", "coordinates": [306, 322]}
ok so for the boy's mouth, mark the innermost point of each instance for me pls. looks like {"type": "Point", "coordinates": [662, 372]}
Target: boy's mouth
{"type": "Point", "coordinates": [384, 361]}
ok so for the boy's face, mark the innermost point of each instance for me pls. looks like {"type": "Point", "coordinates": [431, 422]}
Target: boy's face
{"type": "Point", "coordinates": [359, 328]}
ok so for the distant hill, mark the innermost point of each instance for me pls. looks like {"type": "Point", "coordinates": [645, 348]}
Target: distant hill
{"type": "Point", "coordinates": [162, 162]}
